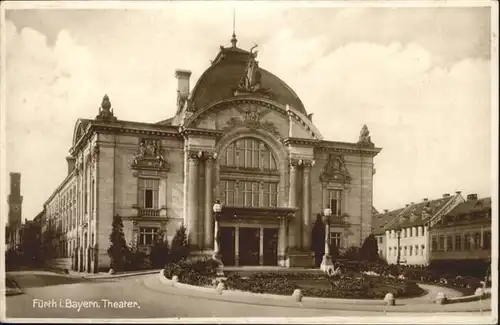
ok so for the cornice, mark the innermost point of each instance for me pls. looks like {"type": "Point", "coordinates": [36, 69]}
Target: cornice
{"type": "Point", "coordinates": [301, 141]}
{"type": "Point", "coordinates": [186, 132]}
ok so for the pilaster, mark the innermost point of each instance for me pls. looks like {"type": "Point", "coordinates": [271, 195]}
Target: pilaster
{"type": "Point", "coordinates": [192, 205]}
{"type": "Point", "coordinates": [208, 233]}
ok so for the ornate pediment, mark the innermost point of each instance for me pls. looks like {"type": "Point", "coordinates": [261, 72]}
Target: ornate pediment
{"type": "Point", "coordinates": [250, 82]}
{"type": "Point", "coordinates": [335, 170]}
{"type": "Point", "coordinates": [150, 156]}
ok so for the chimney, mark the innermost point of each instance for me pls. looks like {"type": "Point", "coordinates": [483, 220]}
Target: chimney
{"type": "Point", "coordinates": [71, 163]}
{"type": "Point", "coordinates": [426, 199]}
{"type": "Point", "coordinates": [183, 82]}
{"type": "Point", "coordinates": [446, 194]}
{"type": "Point", "coordinates": [458, 192]}
{"type": "Point", "coordinates": [407, 205]}
{"type": "Point", "coordinates": [386, 210]}
{"type": "Point", "coordinates": [471, 197]}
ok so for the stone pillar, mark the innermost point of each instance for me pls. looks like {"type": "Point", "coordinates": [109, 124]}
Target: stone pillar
{"type": "Point", "coordinates": [261, 246]}
{"type": "Point", "coordinates": [282, 241]}
{"type": "Point", "coordinates": [294, 223]}
{"type": "Point", "coordinates": [192, 205]}
{"type": "Point", "coordinates": [327, 258]}
{"type": "Point", "coordinates": [162, 200]}
{"type": "Point", "coordinates": [306, 205]}
{"type": "Point", "coordinates": [209, 201]}
{"type": "Point", "coordinates": [237, 245]}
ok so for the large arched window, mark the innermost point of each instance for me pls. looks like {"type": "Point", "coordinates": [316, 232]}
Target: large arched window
{"type": "Point", "coordinates": [249, 153]}
{"type": "Point", "coordinates": [249, 174]}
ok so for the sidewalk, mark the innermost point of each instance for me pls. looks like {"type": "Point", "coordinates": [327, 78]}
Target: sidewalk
{"type": "Point", "coordinates": [103, 275]}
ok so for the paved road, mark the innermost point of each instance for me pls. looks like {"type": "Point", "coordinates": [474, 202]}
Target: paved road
{"type": "Point", "coordinates": [55, 296]}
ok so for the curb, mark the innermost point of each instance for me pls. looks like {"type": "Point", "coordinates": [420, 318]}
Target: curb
{"type": "Point", "coordinates": [311, 302]}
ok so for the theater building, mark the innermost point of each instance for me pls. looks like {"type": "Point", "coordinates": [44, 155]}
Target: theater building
{"type": "Point", "coordinates": [241, 136]}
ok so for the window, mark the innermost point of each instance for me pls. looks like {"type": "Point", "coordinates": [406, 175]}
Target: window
{"type": "Point", "coordinates": [249, 194]}
{"type": "Point", "coordinates": [335, 200]}
{"type": "Point", "coordinates": [449, 243]}
{"type": "Point", "coordinates": [249, 153]}
{"type": "Point", "coordinates": [467, 242]}
{"type": "Point", "coordinates": [487, 240]}
{"type": "Point", "coordinates": [270, 194]}
{"type": "Point", "coordinates": [146, 235]}
{"type": "Point", "coordinates": [410, 232]}
{"type": "Point", "coordinates": [335, 239]}
{"type": "Point", "coordinates": [404, 251]}
{"type": "Point", "coordinates": [390, 251]}
{"type": "Point", "coordinates": [441, 243]}
{"type": "Point", "coordinates": [422, 250]}
{"type": "Point", "coordinates": [458, 243]}
{"type": "Point", "coordinates": [477, 240]}
{"type": "Point", "coordinates": [416, 250]}
{"type": "Point", "coordinates": [148, 193]}
{"type": "Point", "coordinates": [434, 244]}
{"type": "Point", "coordinates": [228, 189]}
{"type": "Point", "coordinates": [381, 240]}
{"type": "Point", "coordinates": [410, 250]}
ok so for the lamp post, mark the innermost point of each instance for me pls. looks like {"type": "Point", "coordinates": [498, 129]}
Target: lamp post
{"type": "Point", "coordinates": [327, 258]}
{"type": "Point", "coordinates": [217, 208]}
{"type": "Point", "coordinates": [398, 233]}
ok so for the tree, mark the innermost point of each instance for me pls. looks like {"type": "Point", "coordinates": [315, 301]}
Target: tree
{"type": "Point", "coordinates": [318, 239]}
{"type": "Point", "coordinates": [118, 251]}
{"type": "Point", "coordinates": [180, 248]}
{"type": "Point", "coordinates": [369, 249]}
{"type": "Point", "coordinates": [159, 251]}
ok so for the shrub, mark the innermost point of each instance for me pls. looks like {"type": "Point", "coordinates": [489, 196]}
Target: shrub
{"type": "Point", "coordinates": [159, 251]}
{"type": "Point", "coordinates": [180, 249]}
{"type": "Point", "coordinates": [352, 253]}
{"type": "Point", "coordinates": [118, 250]}
{"type": "Point", "coordinates": [200, 272]}
{"type": "Point", "coordinates": [369, 249]}
{"type": "Point", "coordinates": [136, 260]}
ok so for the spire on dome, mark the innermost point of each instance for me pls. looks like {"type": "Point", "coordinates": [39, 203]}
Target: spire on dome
{"type": "Point", "coordinates": [233, 37]}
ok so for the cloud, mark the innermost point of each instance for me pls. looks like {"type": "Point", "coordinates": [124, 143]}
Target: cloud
{"type": "Point", "coordinates": [428, 109]}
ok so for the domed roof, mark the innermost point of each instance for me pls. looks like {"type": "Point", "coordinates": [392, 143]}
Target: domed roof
{"type": "Point", "coordinates": [221, 80]}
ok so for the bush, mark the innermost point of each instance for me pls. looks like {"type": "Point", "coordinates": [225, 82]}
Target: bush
{"type": "Point", "coordinates": [159, 251]}
{"type": "Point", "coordinates": [180, 248]}
{"type": "Point", "coordinates": [136, 261]}
{"type": "Point", "coordinates": [198, 273]}
{"type": "Point", "coordinates": [118, 251]}
{"type": "Point", "coordinates": [369, 249]}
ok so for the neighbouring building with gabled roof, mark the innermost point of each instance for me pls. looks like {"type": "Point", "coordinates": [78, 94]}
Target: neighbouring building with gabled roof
{"type": "Point", "coordinates": [408, 231]}
{"type": "Point", "coordinates": [241, 136]}
{"type": "Point", "coordinates": [464, 233]}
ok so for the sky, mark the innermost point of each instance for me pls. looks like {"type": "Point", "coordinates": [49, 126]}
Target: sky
{"type": "Point", "coordinates": [418, 77]}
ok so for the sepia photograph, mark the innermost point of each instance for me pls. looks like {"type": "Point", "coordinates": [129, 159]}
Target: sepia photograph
{"type": "Point", "coordinates": [249, 161]}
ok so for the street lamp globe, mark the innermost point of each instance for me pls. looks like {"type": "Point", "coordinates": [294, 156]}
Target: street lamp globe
{"type": "Point", "coordinates": [327, 212]}
{"type": "Point", "coordinates": [217, 207]}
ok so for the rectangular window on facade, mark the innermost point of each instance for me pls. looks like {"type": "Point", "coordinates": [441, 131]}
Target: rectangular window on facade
{"type": "Point", "coordinates": [434, 244]}
{"type": "Point", "coordinates": [449, 243]}
{"type": "Point", "coordinates": [270, 194]}
{"type": "Point", "coordinates": [458, 243]}
{"type": "Point", "coordinates": [422, 250]}
{"type": "Point", "coordinates": [487, 240]}
{"type": "Point", "coordinates": [441, 242]}
{"type": "Point", "coordinates": [410, 230]}
{"type": "Point", "coordinates": [416, 250]}
{"type": "Point", "coordinates": [335, 200]}
{"type": "Point", "coordinates": [335, 238]}
{"type": "Point", "coordinates": [148, 193]}
{"type": "Point", "coordinates": [410, 250]}
{"type": "Point", "coordinates": [146, 235]}
{"type": "Point", "coordinates": [477, 241]}
{"type": "Point", "coordinates": [467, 242]}
{"type": "Point", "coordinates": [380, 240]}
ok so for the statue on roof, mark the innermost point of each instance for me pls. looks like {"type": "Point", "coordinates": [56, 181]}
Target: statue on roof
{"type": "Point", "coordinates": [365, 138]}
{"type": "Point", "coordinates": [251, 80]}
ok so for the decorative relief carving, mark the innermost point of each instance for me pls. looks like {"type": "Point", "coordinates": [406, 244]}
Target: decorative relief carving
{"type": "Point", "coordinates": [335, 170]}
{"type": "Point", "coordinates": [95, 152]}
{"type": "Point", "coordinates": [365, 138]}
{"type": "Point", "coordinates": [150, 156]}
{"type": "Point", "coordinates": [201, 155]}
{"type": "Point", "coordinates": [250, 82]}
{"type": "Point", "coordinates": [299, 162]}
{"type": "Point", "coordinates": [251, 119]}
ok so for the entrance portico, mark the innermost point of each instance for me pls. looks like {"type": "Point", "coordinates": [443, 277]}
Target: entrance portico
{"type": "Point", "coordinates": [254, 236]}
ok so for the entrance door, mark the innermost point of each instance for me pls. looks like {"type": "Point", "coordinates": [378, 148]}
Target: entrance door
{"type": "Point", "coordinates": [249, 242]}
{"type": "Point", "coordinates": [270, 246]}
{"type": "Point", "coordinates": [227, 245]}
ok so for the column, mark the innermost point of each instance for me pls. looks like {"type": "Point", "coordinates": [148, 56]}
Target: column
{"type": "Point", "coordinates": [237, 245]}
{"type": "Point", "coordinates": [327, 258]}
{"type": "Point", "coordinates": [282, 240]}
{"type": "Point", "coordinates": [261, 247]}
{"type": "Point", "coordinates": [209, 201]}
{"type": "Point", "coordinates": [294, 223]}
{"type": "Point", "coordinates": [306, 206]}
{"type": "Point", "coordinates": [216, 255]}
{"type": "Point", "coordinates": [192, 206]}
{"type": "Point", "coordinates": [162, 204]}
